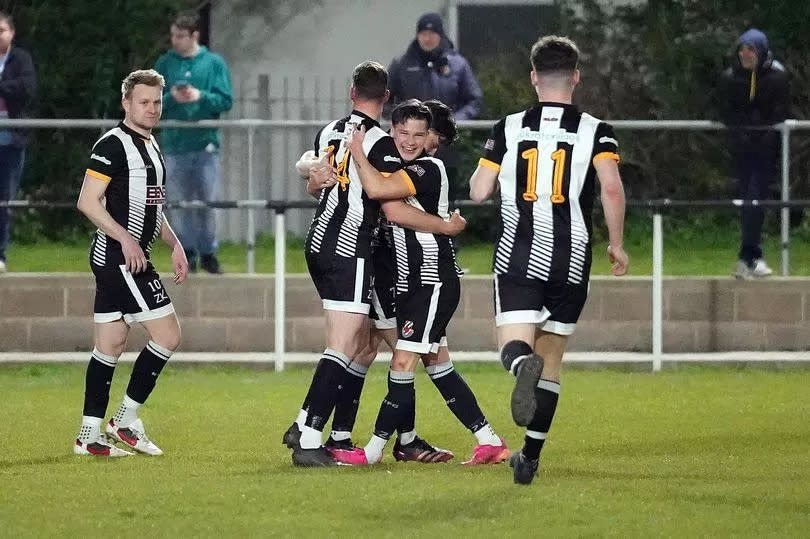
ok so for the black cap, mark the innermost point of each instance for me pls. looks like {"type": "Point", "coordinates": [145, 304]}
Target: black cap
{"type": "Point", "coordinates": [430, 21]}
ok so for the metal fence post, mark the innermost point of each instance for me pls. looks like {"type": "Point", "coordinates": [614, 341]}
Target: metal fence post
{"type": "Point", "coordinates": [657, 292]}
{"type": "Point", "coordinates": [251, 216]}
{"type": "Point", "coordinates": [786, 128]}
{"type": "Point", "coordinates": [280, 287]}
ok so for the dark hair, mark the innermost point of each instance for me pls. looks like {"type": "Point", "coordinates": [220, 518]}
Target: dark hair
{"type": "Point", "coordinates": [6, 17]}
{"type": "Point", "coordinates": [554, 53]}
{"type": "Point", "coordinates": [412, 109]}
{"type": "Point", "coordinates": [370, 80]}
{"type": "Point", "coordinates": [188, 21]}
{"type": "Point", "coordinates": [442, 121]}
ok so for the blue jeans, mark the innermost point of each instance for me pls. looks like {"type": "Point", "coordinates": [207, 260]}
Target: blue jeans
{"type": "Point", "coordinates": [193, 176]}
{"type": "Point", "coordinates": [11, 167]}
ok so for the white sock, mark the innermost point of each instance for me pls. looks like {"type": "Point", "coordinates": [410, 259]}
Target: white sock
{"type": "Point", "coordinates": [486, 436]}
{"type": "Point", "coordinates": [340, 435]}
{"type": "Point", "coordinates": [374, 449]}
{"type": "Point", "coordinates": [301, 419]}
{"type": "Point", "coordinates": [310, 438]}
{"type": "Point", "coordinates": [127, 413]}
{"type": "Point", "coordinates": [90, 430]}
{"type": "Point", "coordinates": [407, 437]}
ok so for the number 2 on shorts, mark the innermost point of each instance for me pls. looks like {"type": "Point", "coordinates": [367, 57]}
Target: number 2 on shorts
{"type": "Point", "coordinates": [558, 157]}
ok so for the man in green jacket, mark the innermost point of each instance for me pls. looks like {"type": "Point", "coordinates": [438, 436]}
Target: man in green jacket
{"type": "Point", "coordinates": [198, 87]}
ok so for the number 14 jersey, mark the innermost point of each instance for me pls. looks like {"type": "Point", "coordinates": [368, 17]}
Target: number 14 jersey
{"type": "Point", "coordinates": [544, 157]}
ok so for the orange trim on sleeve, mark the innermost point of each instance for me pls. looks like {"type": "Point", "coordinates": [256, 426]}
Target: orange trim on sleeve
{"type": "Point", "coordinates": [97, 175]}
{"type": "Point", "coordinates": [408, 181]}
{"type": "Point", "coordinates": [489, 164]}
{"type": "Point", "coordinates": [606, 155]}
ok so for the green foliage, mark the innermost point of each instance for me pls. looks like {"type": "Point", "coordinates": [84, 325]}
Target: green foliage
{"type": "Point", "coordinates": [82, 51]}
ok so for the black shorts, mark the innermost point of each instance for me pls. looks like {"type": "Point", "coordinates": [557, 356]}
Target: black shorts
{"type": "Point", "coordinates": [344, 284]}
{"type": "Point", "coordinates": [423, 313]}
{"type": "Point", "coordinates": [555, 307]}
{"type": "Point", "coordinates": [133, 297]}
{"type": "Point", "coordinates": [383, 300]}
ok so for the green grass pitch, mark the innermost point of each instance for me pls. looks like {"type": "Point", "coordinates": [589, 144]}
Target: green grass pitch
{"type": "Point", "coordinates": [682, 453]}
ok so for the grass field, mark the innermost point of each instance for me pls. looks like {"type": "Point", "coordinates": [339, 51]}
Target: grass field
{"type": "Point", "coordinates": [693, 452]}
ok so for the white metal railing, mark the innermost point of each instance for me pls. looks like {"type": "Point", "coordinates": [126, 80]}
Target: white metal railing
{"type": "Point", "coordinates": [251, 125]}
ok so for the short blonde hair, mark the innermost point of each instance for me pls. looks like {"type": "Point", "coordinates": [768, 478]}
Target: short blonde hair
{"type": "Point", "coordinates": [149, 77]}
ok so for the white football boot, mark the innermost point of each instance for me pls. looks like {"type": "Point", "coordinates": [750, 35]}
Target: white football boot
{"type": "Point", "coordinates": [99, 448]}
{"type": "Point", "coordinates": [134, 436]}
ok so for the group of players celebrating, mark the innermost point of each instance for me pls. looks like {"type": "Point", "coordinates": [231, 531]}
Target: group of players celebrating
{"type": "Point", "coordinates": [380, 254]}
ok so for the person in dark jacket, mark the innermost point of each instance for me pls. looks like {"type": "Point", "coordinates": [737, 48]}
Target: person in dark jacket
{"type": "Point", "coordinates": [754, 92]}
{"type": "Point", "coordinates": [431, 68]}
{"type": "Point", "coordinates": [17, 86]}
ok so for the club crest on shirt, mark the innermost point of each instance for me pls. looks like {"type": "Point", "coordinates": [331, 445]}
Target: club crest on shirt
{"type": "Point", "coordinates": [418, 169]}
{"type": "Point", "coordinates": [489, 144]}
{"type": "Point", "coordinates": [155, 194]}
{"type": "Point", "coordinates": [407, 329]}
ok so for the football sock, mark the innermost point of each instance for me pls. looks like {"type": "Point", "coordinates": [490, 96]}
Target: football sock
{"type": "Point", "coordinates": [407, 437]}
{"type": "Point", "coordinates": [547, 394]}
{"type": "Point", "coordinates": [461, 401]}
{"type": "Point", "coordinates": [374, 449]}
{"type": "Point", "coordinates": [310, 438]}
{"type": "Point", "coordinates": [97, 382]}
{"type": "Point", "coordinates": [145, 373]}
{"type": "Point", "coordinates": [323, 394]}
{"type": "Point", "coordinates": [348, 400]}
{"type": "Point", "coordinates": [90, 430]}
{"type": "Point", "coordinates": [301, 419]}
{"type": "Point", "coordinates": [407, 420]}
{"type": "Point", "coordinates": [127, 413]}
{"type": "Point", "coordinates": [400, 396]}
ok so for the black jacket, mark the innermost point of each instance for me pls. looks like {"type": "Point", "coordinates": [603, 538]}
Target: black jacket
{"type": "Point", "coordinates": [17, 86]}
{"type": "Point", "coordinates": [754, 97]}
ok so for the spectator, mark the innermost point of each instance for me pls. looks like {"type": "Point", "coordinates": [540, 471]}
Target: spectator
{"type": "Point", "coordinates": [754, 92]}
{"type": "Point", "coordinates": [17, 84]}
{"type": "Point", "coordinates": [198, 87]}
{"type": "Point", "coordinates": [431, 68]}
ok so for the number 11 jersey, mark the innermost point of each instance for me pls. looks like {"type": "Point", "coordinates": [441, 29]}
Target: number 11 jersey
{"type": "Point", "coordinates": [544, 157]}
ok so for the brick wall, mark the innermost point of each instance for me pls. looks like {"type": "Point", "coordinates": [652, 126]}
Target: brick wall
{"type": "Point", "coordinates": [52, 312]}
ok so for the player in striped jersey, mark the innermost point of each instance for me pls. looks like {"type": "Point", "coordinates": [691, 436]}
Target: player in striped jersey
{"type": "Point", "coordinates": [545, 160]}
{"type": "Point", "coordinates": [123, 195]}
{"type": "Point", "coordinates": [427, 293]}
{"type": "Point", "coordinates": [337, 253]}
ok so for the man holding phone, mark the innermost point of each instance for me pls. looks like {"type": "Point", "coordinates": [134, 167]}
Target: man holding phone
{"type": "Point", "coordinates": [198, 87]}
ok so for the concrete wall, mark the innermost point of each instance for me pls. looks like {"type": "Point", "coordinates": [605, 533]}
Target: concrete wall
{"type": "Point", "coordinates": [52, 313]}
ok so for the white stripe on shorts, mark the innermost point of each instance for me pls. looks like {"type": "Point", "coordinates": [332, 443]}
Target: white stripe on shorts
{"type": "Point", "coordinates": [133, 288]}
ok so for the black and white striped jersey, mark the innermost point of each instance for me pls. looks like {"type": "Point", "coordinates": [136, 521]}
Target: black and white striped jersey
{"type": "Point", "coordinates": [345, 217]}
{"type": "Point", "coordinates": [544, 157]}
{"type": "Point", "coordinates": [423, 258]}
{"type": "Point", "coordinates": [133, 167]}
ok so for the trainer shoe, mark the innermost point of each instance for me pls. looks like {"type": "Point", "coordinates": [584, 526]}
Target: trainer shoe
{"type": "Point", "coordinates": [99, 448]}
{"type": "Point", "coordinates": [2, 266]}
{"type": "Point", "coordinates": [343, 445]}
{"type": "Point", "coordinates": [352, 457]}
{"type": "Point", "coordinates": [210, 264]}
{"type": "Point", "coordinates": [312, 458]}
{"type": "Point", "coordinates": [524, 403]}
{"type": "Point", "coordinates": [420, 451]}
{"type": "Point", "coordinates": [292, 437]}
{"type": "Point", "coordinates": [742, 270]}
{"type": "Point", "coordinates": [488, 454]}
{"type": "Point", "coordinates": [760, 268]}
{"type": "Point", "coordinates": [523, 469]}
{"type": "Point", "coordinates": [134, 436]}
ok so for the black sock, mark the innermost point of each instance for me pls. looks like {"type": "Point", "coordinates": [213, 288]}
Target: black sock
{"type": "Point", "coordinates": [348, 399]}
{"type": "Point", "coordinates": [547, 394]}
{"type": "Point", "coordinates": [407, 420]}
{"type": "Point", "coordinates": [97, 382]}
{"type": "Point", "coordinates": [458, 395]}
{"type": "Point", "coordinates": [324, 390]}
{"type": "Point", "coordinates": [399, 398]}
{"type": "Point", "coordinates": [145, 373]}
